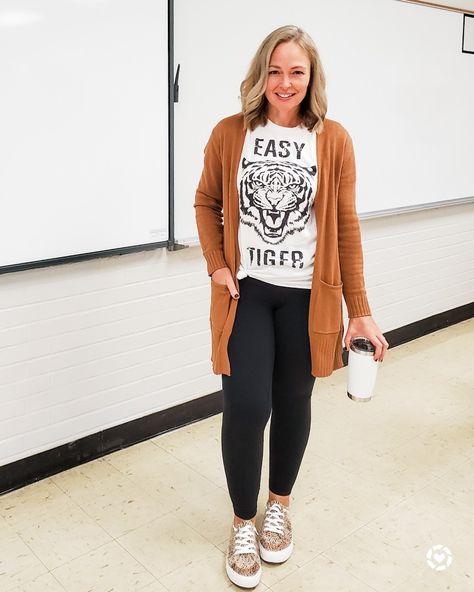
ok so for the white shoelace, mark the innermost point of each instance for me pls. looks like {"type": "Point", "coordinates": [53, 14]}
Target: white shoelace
{"type": "Point", "coordinates": [274, 519]}
{"type": "Point", "coordinates": [245, 539]}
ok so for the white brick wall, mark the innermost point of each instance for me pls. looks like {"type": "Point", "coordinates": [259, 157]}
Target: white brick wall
{"type": "Point", "coordinates": [419, 264]}
{"type": "Point", "coordinates": [90, 345]}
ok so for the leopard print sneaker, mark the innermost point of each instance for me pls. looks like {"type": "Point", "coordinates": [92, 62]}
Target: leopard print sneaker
{"type": "Point", "coordinates": [243, 565]}
{"type": "Point", "coordinates": [276, 537]}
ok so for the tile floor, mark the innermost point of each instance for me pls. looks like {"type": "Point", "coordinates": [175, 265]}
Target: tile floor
{"type": "Point", "coordinates": [381, 482]}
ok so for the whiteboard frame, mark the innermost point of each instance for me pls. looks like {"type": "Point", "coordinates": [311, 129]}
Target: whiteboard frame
{"type": "Point", "coordinates": [440, 5]}
{"type": "Point", "coordinates": [170, 243]}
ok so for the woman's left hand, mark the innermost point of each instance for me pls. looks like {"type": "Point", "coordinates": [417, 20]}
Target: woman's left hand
{"type": "Point", "coordinates": [367, 327]}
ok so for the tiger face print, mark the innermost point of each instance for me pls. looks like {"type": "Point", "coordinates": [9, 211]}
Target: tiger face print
{"type": "Point", "coordinates": [274, 198]}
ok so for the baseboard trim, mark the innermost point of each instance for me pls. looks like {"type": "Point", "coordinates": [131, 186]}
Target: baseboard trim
{"type": "Point", "coordinates": [40, 466]}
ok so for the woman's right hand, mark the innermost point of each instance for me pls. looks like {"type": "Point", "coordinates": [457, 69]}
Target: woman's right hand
{"type": "Point", "coordinates": [223, 276]}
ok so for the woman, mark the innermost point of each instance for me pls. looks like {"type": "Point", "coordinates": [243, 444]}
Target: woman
{"type": "Point", "coordinates": [275, 212]}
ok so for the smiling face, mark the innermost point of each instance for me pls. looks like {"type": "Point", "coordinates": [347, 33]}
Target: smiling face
{"type": "Point", "coordinates": [288, 79]}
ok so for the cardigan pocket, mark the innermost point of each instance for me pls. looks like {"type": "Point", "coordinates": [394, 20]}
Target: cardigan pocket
{"type": "Point", "coordinates": [220, 303]}
{"type": "Point", "coordinates": [327, 312]}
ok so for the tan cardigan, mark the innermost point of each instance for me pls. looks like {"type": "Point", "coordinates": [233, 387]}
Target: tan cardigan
{"type": "Point", "coordinates": [338, 265]}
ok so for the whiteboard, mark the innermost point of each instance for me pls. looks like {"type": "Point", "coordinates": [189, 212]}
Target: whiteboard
{"type": "Point", "coordinates": [396, 80]}
{"type": "Point", "coordinates": [84, 126]}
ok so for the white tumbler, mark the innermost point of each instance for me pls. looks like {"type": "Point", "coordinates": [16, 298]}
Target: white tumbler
{"type": "Point", "coordinates": [362, 369]}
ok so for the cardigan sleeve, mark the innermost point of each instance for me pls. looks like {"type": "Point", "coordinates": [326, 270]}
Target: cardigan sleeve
{"type": "Point", "coordinates": [208, 205]}
{"type": "Point", "coordinates": [349, 238]}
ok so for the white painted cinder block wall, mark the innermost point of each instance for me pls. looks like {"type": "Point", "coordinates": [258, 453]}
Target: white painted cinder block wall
{"type": "Point", "coordinates": [90, 345]}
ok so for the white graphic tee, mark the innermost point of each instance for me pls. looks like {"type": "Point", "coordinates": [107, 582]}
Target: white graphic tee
{"type": "Point", "coordinates": [277, 181]}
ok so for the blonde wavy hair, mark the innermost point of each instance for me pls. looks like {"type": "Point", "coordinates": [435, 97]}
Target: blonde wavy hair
{"type": "Point", "coordinates": [313, 107]}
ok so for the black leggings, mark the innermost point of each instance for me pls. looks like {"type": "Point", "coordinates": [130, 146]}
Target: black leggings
{"type": "Point", "coordinates": [270, 360]}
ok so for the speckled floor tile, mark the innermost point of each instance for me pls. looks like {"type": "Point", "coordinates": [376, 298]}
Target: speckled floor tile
{"type": "Point", "coordinates": [379, 485]}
